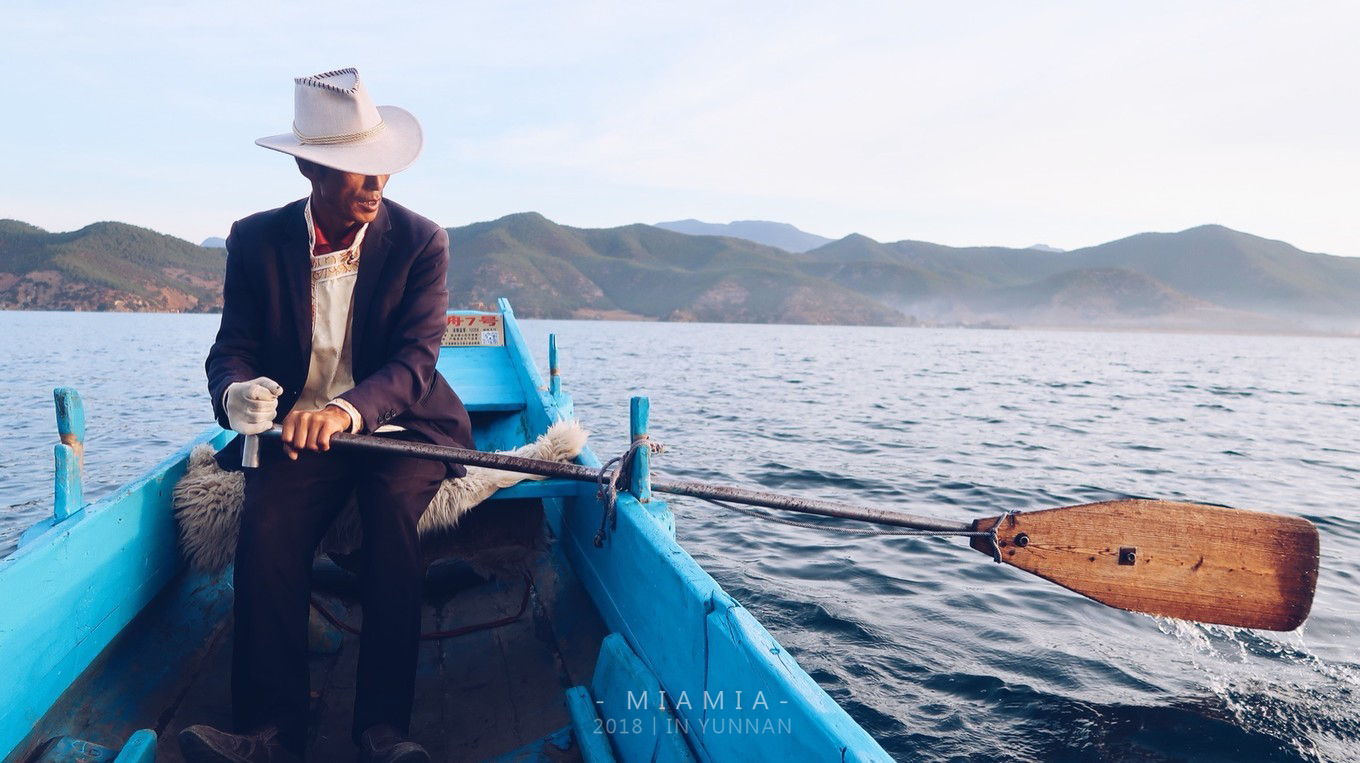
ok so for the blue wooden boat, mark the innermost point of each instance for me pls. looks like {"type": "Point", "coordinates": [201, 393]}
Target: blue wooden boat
{"type": "Point", "coordinates": [110, 643]}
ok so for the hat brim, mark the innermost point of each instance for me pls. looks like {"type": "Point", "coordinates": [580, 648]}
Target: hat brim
{"type": "Point", "coordinates": [389, 152]}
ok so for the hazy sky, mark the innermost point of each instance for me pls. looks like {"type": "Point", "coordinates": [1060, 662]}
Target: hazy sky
{"type": "Point", "coordinates": [1009, 123]}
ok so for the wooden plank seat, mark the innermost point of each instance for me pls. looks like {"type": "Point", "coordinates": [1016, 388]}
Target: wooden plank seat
{"type": "Point", "coordinates": [484, 378]}
{"type": "Point", "coordinates": [552, 487]}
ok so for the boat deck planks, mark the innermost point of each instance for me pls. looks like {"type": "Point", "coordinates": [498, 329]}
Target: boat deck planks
{"type": "Point", "coordinates": [478, 696]}
{"type": "Point", "coordinates": [207, 698]}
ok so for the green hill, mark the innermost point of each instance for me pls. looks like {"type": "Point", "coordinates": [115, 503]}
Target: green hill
{"type": "Point", "coordinates": [106, 266]}
{"type": "Point", "coordinates": [952, 270]}
{"type": "Point", "coordinates": [1208, 277]}
{"type": "Point", "coordinates": [640, 271]}
{"type": "Point", "coordinates": [1239, 270]}
{"type": "Point", "coordinates": [1247, 282]}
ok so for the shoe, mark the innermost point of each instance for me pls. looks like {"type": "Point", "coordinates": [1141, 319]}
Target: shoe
{"type": "Point", "coordinates": [385, 744]}
{"type": "Point", "coordinates": [205, 744]}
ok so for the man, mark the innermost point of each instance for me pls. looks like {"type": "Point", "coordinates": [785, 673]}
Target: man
{"type": "Point", "coordinates": [332, 312]}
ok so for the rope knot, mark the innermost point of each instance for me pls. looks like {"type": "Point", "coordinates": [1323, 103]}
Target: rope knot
{"type": "Point", "coordinates": [996, 542]}
{"type": "Point", "coordinates": [608, 483]}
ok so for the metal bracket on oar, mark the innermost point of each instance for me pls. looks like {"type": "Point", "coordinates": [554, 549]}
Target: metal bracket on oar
{"type": "Point", "coordinates": [1217, 565]}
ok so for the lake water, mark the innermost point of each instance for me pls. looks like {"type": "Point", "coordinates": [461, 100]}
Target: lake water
{"type": "Point", "coordinates": [939, 653]}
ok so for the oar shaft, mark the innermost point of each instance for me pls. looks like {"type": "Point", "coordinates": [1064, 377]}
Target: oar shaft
{"type": "Point", "coordinates": [580, 473]}
{"type": "Point", "coordinates": [806, 505]}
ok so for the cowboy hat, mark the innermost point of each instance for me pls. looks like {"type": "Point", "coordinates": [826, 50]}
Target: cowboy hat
{"type": "Point", "coordinates": [335, 124]}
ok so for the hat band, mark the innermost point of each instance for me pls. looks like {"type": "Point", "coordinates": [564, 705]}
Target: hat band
{"type": "Point", "coordinates": [333, 140]}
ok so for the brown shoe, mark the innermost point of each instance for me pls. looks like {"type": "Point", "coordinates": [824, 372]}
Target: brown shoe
{"type": "Point", "coordinates": [205, 744]}
{"type": "Point", "coordinates": [385, 744]}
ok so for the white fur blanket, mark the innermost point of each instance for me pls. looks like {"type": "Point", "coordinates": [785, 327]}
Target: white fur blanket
{"type": "Point", "coordinates": [208, 500]}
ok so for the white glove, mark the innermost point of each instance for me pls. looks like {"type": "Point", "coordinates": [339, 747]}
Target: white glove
{"type": "Point", "coordinates": [251, 405]}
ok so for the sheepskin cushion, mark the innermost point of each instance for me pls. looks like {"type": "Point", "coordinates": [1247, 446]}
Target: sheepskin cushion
{"type": "Point", "coordinates": [208, 500]}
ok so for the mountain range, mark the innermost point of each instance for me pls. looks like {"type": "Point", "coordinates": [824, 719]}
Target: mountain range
{"type": "Point", "coordinates": [779, 235]}
{"type": "Point", "coordinates": [106, 266]}
{"type": "Point", "coordinates": [1204, 278]}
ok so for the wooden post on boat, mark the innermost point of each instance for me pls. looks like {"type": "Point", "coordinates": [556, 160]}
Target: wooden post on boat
{"type": "Point", "coordinates": [69, 495]}
{"type": "Point", "coordinates": [554, 380]}
{"type": "Point", "coordinates": [71, 421]}
{"type": "Point", "coordinates": [641, 485]}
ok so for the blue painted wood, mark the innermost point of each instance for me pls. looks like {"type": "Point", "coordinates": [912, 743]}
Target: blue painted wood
{"type": "Point", "coordinates": [758, 692]}
{"type": "Point", "coordinates": [68, 749]}
{"type": "Point", "coordinates": [499, 431]}
{"type": "Point", "coordinates": [485, 378]}
{"type": "Point", "coordinates": [587, 727]}
{"type": "Point", "coordinates": [38, 529]}
{"type": "Point", "coordinates": [502, 379]}
{"type": "Point", "coordinates": [641, 487]}
{"type": "Point", "coordinates": [634, 709]}
{"type": "Point", "coordinates": [647, 588]}
{"type": "Point", "coordinates": [140, 673]}
{"type": "Point", "coordinates": [70, 590]}
{"type": "Point", "coordinates": [554, 375]}
{"type": "Point", "coordinates": [546, 750]}
{"type": "Point", "coordinates": [651, 591]}
{"type": "Point", "coordinates": [537, 489]}
{"type": "Point", "coordinates": [70, 415]}
{"type": "Point", "coordinates": [542, 410]}
{"type": "Point", "coordinates": [140, 748]}
{"type": "Point", "coordinates": [69, 488]}
{"type": "Point", "coordinates": [566, 406]}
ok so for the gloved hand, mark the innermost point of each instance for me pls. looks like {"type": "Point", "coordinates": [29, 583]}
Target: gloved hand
{"type": "Point", "coordinates": [251, 405]}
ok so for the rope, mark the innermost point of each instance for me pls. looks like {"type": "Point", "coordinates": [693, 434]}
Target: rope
{"type": "Point", "coordinates": [991, 535]}
{"type": "Point", "coordinates": [438, 635]}
{"type": "Point", "coordinates": [335, 140]}
{"type": "Point", "coordinates": [608, 484]}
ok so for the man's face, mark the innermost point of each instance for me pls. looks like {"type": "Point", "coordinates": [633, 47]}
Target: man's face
{"type": "Point", "coordinates": [343, 200]}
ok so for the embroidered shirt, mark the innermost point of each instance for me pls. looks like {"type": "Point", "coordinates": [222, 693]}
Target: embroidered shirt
{"type": "Point", "coordinates": [330, 373]}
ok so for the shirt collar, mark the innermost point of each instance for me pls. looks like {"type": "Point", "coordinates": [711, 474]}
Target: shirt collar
{"type": "Point", "coordinates": [316, 240]}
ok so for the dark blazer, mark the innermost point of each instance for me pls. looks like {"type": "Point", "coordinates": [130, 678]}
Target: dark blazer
{"type": "Point", "coordinates": [400, 300]}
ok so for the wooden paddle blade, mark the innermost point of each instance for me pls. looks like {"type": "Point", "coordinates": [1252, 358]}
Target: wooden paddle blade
{"type": "Point", "coordinates": [1184, 560]}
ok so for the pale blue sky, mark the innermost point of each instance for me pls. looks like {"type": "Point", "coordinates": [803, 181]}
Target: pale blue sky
{"type": "Point", "coordinates": [1007, 123]}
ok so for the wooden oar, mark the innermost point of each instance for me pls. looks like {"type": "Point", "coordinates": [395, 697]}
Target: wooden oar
{"type": "Point", "coordinates": [1212, 564]}
{"type": "Point", "coordinates": [1185, 560]}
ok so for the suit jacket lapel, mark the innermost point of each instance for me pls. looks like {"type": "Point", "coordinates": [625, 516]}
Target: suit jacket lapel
{"type": "Point", "coordinates": [371, 261]}
{"type": "Point", "coordinates": [297, 276]}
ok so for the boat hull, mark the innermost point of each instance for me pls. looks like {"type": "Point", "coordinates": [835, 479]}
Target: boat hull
{"type": "Point", "coordinates": [648, 658]}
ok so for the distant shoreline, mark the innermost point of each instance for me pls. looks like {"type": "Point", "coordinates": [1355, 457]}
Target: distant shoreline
{"type": "Point", "coordinates": [625, 317]}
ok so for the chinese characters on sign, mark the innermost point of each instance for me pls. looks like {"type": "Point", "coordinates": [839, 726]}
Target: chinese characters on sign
{"type": "Point", "coordinates": [473, 331]}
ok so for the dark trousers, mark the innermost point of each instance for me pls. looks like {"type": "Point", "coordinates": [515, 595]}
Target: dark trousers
{"type": "Point", "coordinates": [288, 507]}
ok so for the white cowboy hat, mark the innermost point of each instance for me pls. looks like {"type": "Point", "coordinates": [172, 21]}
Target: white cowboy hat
{"type": "Point", "coordinates": [335, 124]}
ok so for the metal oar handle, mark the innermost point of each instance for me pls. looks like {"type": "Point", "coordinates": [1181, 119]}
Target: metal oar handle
{"type": "Point", "coordinates": [250, 451]}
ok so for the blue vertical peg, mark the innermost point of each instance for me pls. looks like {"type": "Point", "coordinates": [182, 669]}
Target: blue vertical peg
{"type": "Point", "coordinates": [69, 488]}
{"type": "Point", "coordinates": [71, 420]}
{"type": "Point", "coordinates": [70, 492]}
{"type": "Point", "coordinates": [641, 486]}
{"type": "Point", "coordinates": [554, 379]}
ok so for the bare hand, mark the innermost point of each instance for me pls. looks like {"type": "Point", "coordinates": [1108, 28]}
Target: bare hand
{"type": "Point", "coordinates": [312, 430]}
